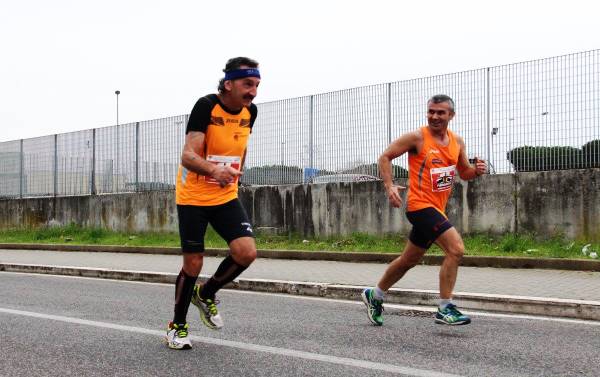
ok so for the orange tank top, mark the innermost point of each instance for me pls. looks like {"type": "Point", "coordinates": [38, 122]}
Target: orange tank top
{"type": "Point", "coordinates": [431, 173]}
{"type": "Point", "coordinates": [226, 138]}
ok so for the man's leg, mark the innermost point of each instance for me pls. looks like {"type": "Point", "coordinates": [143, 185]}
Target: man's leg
{"type": "Point", "coordinates": [184, 284]}
{"type": "Point", "coordinates": [177, 332]}
{"type": "Point", "coordinates": [242, 254]}
{"type": "Point", "coordinates": [192, 226]}
{"type": "Point", "coordinates": [452, 245]}
{"type": "Point", "coordinates": [231, 222]}
{"type": "Point", "coordinates": [409, 258]}
{"type": "Point", "coordinates": [373, 297]}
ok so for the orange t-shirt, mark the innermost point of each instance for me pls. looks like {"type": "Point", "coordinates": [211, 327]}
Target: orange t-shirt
{"type": "Point", "coordinates": [431, 173]}
{"type": "Point", "coordinates": [225, 141]}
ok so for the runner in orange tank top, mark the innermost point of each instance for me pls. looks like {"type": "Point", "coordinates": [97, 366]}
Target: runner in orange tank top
{"type": "Point", "coordinates": [435, 155]}
{"type": "Point", "coordinates": [431, 172]}
{"type": "Point", "coordinates": [212, 160]}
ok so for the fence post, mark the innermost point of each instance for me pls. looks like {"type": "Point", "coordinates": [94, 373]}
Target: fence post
{"type": "Point", "coordinates": [21, 178]}
{"type": "Point", "coordinates": [55, 164]}
{"type": "Point", "coordinates": [93, 174]}
{"type": "Point", "coordinates": [389, 113]}
{"type": "Point", "coordinates": [310, 133]}
{"type": "Point", "coordinates": [488, 119]}
{"type": "Point", "coordinates": [137, 156]}
{"type": "Point", "coordinates": [116, 166]}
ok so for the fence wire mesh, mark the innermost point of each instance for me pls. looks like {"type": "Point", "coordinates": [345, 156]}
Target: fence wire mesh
{"type": "Point", "coordinates": [529, 116]}
{"type": "Point", "coordinates": [11, 169]}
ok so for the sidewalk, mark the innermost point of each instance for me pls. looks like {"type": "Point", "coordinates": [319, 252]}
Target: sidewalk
{"type": "Point", "coordinates": [549, 285]}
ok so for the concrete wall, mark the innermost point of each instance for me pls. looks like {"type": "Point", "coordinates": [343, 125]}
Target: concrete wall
{"type": "Point", "coordinates": [153, 210]}
{"type": "Point", "coordinates": [548, 203]}
{"type": "Point", "coordinates": [323, 209]}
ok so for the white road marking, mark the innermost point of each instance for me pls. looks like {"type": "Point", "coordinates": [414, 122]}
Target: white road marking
{"type": "Point", "coordinates": [345, 361]}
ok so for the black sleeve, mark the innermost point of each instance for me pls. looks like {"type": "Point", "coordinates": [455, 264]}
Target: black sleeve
{"type": "Point", "coordinates": [253, 114]}
{"type": "Point", "coordinates": [200, 116]}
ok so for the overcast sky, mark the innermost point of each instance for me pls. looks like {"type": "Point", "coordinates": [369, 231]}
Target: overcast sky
{"type": "Point", "coordinates": [61, 60]}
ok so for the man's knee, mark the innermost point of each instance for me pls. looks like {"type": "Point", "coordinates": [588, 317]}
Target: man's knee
{"type": "Point", "coordinates": [193, 262]}
{"type": "Point", "coordinates": [452, 244]}
{"type": "Point", "coordinates": [411, 256]}
{"type": "Point", "coordinates": [410, 262]}
{"type": "Point", "coordinates": [243, 250]}
{"type": "Point", "coordinates": [456, 250]}
{"type": "Point", "coordinates": [245, 256]}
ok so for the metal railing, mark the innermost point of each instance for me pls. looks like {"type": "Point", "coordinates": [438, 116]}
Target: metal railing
{"type": "Point", "coordinates": [536, 115]}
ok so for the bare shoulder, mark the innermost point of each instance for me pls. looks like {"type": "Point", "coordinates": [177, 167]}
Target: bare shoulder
{"type": "Point", "coordinates": [413, 137]}
{"type": "Point", "coordinates": [459, 140]}
{"type": "Point", "coordinates": [417, 135]}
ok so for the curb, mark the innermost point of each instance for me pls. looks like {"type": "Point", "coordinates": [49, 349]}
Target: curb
{"type": "Point", "coordinates": [431, 260]}
{"type": "Point", "coordinates": [550, 307]}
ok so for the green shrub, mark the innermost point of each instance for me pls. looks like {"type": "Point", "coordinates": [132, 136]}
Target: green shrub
{"type": "Point", "coordinates": [528, 158]}
{"type": "Point", "coordinates": [591, 153]}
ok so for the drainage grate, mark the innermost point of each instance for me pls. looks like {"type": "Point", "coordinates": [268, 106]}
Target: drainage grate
{"type": "Point", "coordinates": [409, 313]}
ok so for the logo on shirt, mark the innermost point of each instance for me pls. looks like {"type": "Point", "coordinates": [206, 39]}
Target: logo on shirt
{"type": "Point", "coordinates": [248, 227]}
{"type": "Point", "coordinates": [232, 120]}
{"type": "Point", "coordinates": [238, 135]}
{"type": "Point", "coordinates": [217, 121]}
{"type": "Point", "coordinates": [245, 123]}
{"type": "Point", "coordinates": [436, 161]}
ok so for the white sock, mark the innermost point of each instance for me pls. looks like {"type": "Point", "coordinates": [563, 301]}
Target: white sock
{"type": "Point", "coordinates": [444, 302]}
{"type": "Point", "coordinates": [378, 293]}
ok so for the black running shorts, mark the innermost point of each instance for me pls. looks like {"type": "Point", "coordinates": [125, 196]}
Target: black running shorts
{"type": "Point", "coordinates": [228, 219]}
{"type": "Point", "coordinates": [428, 224]}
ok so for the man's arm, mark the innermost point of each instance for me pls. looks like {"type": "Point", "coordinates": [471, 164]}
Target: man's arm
{"type": "Point", "coordinates": [243, 160]}
{"type": "Point", "coordinates": [396, 149]}
{"type": "Point", "coordinates": [466, 171]}
{"type": "Point", "coordinates": [191, 160]}
{"type": "Point", "coordinates": [190, 157]}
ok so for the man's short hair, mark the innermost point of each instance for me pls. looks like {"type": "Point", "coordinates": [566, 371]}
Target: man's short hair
{"type": "Point", "coordinates": [236, 63]}
{"type": "Point", "coordinates": [439, 98]}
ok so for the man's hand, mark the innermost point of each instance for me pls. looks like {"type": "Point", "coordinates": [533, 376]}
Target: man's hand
{"type": "Point", "coordinates": [394, 195]}
{"type": "Point", "coordinates": [225, 175]}
{"type": "Point", "coordinates": [480, 167]}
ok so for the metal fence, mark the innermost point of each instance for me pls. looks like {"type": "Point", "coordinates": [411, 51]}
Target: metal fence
{"type": "Point", "coordinates": [536, 115]}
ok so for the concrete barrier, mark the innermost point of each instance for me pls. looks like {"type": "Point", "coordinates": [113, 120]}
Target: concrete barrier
{"type": "Point", "coordinates": [549, 204]}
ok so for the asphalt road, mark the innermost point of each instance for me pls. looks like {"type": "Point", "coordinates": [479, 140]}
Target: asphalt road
{"type": "Point", "coordinates": [62, 326]}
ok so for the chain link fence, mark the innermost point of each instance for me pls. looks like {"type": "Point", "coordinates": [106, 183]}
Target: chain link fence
{"type": "Point", "coordinates": [529, 116]}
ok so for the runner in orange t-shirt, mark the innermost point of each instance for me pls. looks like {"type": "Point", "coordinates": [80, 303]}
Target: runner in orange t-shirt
{"type": "Point", "coordinates": [206, 193]}
{"type": "Point", "coordinates": [435, 155]}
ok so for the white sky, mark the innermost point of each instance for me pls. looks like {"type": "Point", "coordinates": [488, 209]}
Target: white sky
{"type": "Point", "coordinates": [62, 60]}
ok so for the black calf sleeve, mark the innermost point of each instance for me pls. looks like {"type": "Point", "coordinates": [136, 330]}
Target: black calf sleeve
{"type": "Point", "coordinates": [184, 288]}
{"type": "Point", "coordinates": [227, 271]}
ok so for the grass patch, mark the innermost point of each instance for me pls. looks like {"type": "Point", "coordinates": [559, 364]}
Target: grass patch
{"type": "Point", "coordinates": [77, 235]}
{"type": "Point", "coordinates": [485, 245]}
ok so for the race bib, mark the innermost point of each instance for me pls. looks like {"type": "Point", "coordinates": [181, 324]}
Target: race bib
{"type": "Point", "coordinates": [233, 161]}
{"type": "Point", "coordinates": [442, 178]}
